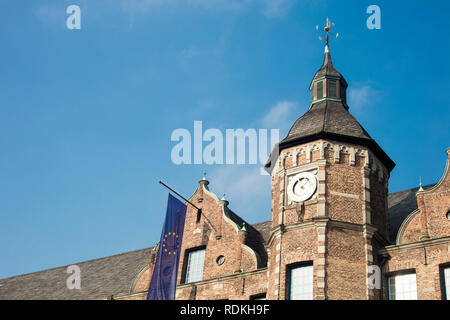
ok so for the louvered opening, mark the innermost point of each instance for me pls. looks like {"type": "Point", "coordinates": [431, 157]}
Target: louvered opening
{"type": "Point", "coordinates": [319, 90]}
{"type": "Point", "coordinates": [332, 89]}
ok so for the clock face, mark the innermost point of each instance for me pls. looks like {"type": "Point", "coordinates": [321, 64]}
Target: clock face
{"type": "Point", "coordinates": [302, 186]}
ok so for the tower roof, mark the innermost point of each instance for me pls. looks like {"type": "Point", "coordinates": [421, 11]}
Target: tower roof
{"type": "Point", "coordinates": [328, 115]}
{"type": "Point", "coordinates": [327, 68]}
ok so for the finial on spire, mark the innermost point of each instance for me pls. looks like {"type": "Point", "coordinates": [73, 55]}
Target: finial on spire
{"type": "Point", "coordinates": [223, 198]}
{"type": "Point", "coordinates": [204, 175]}
{"type": "Point", "coordinates": [327, 29]}
{"type": "Point", "coordinates": [420, 184]}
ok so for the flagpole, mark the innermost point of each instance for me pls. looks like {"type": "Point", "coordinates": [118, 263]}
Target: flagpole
{"type": "Point", "coordinates": [165, 185]}
{"type": "Point", "coordinates": [199, 210]}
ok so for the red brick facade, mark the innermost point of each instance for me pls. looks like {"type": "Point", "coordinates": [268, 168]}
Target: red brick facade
{"type": "Point", "coordinates": [340, 231]}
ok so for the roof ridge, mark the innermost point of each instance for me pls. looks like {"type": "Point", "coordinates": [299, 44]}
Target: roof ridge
{"type": "Point", "coordinates": [410, 189]}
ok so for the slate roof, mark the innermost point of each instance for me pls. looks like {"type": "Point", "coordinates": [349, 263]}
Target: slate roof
{"type": "Point", "coordinates": [327, 68]}
{"type": "Point", "coordinates": [254, 238]}
{"type": "Point", "coordinates": [327, 116]}
{"type": "Point", "coordinates": [400, 205]}
{"type": "Point", "coordinates": [115, 274]}
{"type": "Point", "coordinates": [100, 278]}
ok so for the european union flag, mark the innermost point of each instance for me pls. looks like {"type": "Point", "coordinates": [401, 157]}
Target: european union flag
{"type": "Point", "coordinates": [164, 278]}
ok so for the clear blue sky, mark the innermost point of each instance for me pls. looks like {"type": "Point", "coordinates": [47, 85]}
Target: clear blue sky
{"type": "Point", "coordinates": [86, 115]}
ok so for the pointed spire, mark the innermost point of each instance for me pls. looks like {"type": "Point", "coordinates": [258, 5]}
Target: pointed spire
{"type": "Point", "coordinates": [243, 228]}
{"type": "Point", "coordinates": [223, 198]}
{"type": "Point", "coordinates": [327, 66]}
{"type": "Point", "coordinates": [204, 181]}
{"type": "Point", "coordinates": [327, 63]}
{"type": "Point", "coordinates": [420, 185]}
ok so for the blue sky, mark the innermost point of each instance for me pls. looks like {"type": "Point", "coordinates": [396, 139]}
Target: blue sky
{"type": "Point", "coordinates": [86, 115]}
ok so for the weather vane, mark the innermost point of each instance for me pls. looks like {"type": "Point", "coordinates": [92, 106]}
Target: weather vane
{"type": "Point", "coordinates": [327, 30]}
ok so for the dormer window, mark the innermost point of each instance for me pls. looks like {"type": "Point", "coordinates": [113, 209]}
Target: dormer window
{"type": "Point", "coordinates": [332, 91]}
{"type": "Point", "coordinates": [319, 90]}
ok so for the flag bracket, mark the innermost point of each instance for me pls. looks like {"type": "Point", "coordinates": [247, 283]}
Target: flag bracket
{"type": "Point", "coordinates": [165, 185]}
{"type": "Point", "coordinates": [199, 210]}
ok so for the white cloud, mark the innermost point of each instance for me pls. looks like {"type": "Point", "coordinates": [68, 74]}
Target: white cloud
{"type": "Point", "coordinates": [189, 52]}
{"type": "Point", "coordinates": [269, 8]}
{"type": "Point", "coordinates": [50, 14]}
{"type": "Point", "coordinates": [361, 95]}
{"type": "Point", "coordinates": [276, 8]}
{"type": "Point", "coordinates": [246, 189]}
{"type": "Point", "coordinates": [281, 116]}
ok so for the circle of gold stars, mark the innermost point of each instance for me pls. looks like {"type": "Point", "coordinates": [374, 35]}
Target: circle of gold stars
{"type": "Point", "coordinates": [170, 249]}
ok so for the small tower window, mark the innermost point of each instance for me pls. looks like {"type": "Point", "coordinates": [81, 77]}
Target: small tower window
{"type": "Point", "coordinates": [445, 278]}
{"type": "Point", "coordinates": [343, 97]}
{"type": "Point", "coordinates": [319, 90]}
{"type": "Point", "coordinates": [332, 88]}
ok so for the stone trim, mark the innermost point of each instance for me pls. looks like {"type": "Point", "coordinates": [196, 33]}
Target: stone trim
{"type": "Point", "coordinates": [235, 275]}
{"type": "Point", "coordinates": [443, 179]}
{"type": "Point", "coordinates": [404, 224]}
{"type": "Point", "coordinates": [140, 273]}
{"type": "Point", "coordinates": [254, 254]}
{"type": "Point", "coordinates": [346, 195]}
{"type": "Point", "coordinates": [415, 244]}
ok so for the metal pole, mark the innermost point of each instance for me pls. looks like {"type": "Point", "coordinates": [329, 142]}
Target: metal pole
{"type": "Point", "coordinates": [165, 185]}
{"type": "Point", "coordinates": [199, 210]}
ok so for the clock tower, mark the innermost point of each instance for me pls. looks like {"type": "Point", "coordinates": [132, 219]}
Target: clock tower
{"type": "Point", "coordinates": [329, 201]}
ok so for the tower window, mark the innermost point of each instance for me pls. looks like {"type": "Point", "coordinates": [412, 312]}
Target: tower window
{"type": "Point", "coordinates": [402, 287]}
{"type": "Point", "coordinates": [301, 282]}
{"type": "Point", "coordinates": [445, 278]}
{"type": "Point", "coordinates": [332, 89]}
{"type": "Point", "coordinates": [195, 264]}
{"type": "Point", "coordinates": [319, 90]}
{"type": "Point", "coordinates": [261, 296]}
{"type": "Point", "coordinates": [342, 95]}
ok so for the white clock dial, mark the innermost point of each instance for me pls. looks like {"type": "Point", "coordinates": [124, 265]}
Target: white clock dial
{"type": "Point", "coordinates": [302, 186]}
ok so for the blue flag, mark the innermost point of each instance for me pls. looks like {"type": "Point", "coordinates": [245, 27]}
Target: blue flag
{"type": "Point", "coordinates": [164, 278]}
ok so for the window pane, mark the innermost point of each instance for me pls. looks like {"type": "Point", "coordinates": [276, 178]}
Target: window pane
{"type": "Point", "coordinates": [320, 90]}
{"type": "Point", "coordinates": [403, 287]}
{"type": "Point", "coordinates": [194, 269]}
{"type": "Point", "coordinates": [301, 283]}
{"type": "Point", "coordinates": [447, 283]}
{"type": "Point", "coordinates": [332, 88]}
{"type": "Point", "coordinates": [342, 93]}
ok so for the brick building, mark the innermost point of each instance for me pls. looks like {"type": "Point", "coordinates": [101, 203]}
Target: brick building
{"type": "Point", "coordinates": [332, 226]}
